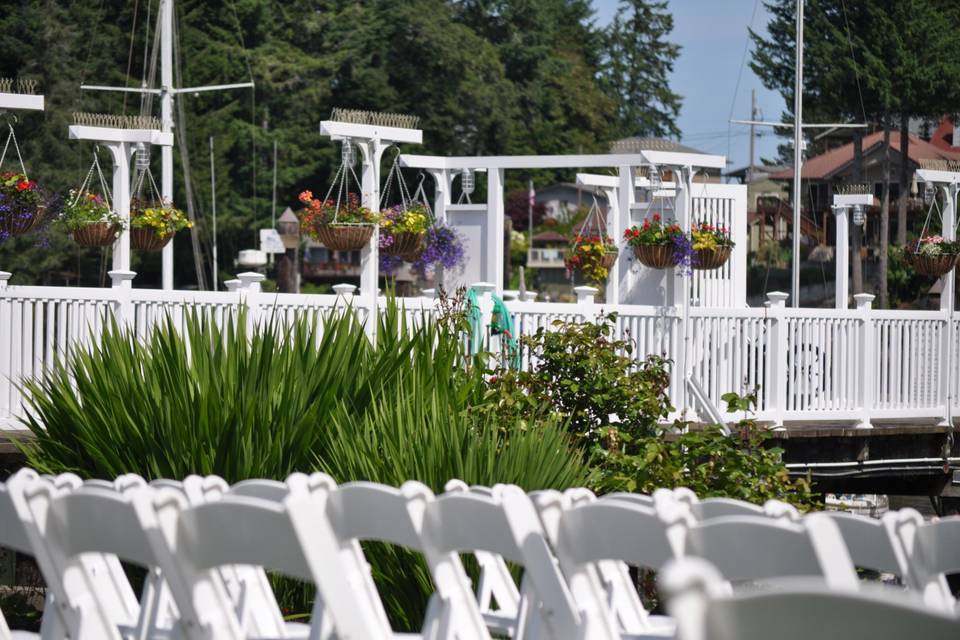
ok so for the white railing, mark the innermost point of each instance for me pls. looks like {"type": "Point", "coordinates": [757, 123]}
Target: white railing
{"type": "Point", "coordinates": [851, 366]}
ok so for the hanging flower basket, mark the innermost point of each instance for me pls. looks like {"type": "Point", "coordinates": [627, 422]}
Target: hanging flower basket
{"type": "Point", "coordinates": [96, 234]}
{"type": "Point", "coordinates": [19, 221]}
{"type": "Point", "coordinates": [153, 225]}
{"type": "Point", "coordinates": [714, 258]}
{"type": "Point", "coordinates": [610, 257]}
{"type": "Point", "coordinates": [344, 237]}
{"type": "Point", "coordinates": [656, 256]}
{"type": "Point", "coordinates": [145, 239]}
{"type": "Point", "coordinates": [933, 266]}
{"type": "Point", "coordinates": [712, 246]}
{"type": "Point", "coordinates": [404, 243]}
{"type": "Point", "coordinates": [593, 257]}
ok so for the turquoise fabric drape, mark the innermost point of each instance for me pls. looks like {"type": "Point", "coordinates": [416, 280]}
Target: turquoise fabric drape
{"type": "Point", "coordinates": [502, 323]}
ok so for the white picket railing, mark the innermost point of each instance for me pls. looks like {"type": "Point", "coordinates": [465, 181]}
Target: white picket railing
{"type": "Point", "coordinates": [807, 365]}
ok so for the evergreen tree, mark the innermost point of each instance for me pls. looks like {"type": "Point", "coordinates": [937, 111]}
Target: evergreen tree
{"type": "Point", "coordinates": [639, 59]}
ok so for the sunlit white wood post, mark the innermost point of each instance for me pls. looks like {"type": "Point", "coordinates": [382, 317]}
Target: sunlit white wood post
{"type": "Point", "coordinates": [776, 369]}
{"type": "Point", "coordinates": [842, 204]}
{"type": "Point", "coordinates": [868, 365]}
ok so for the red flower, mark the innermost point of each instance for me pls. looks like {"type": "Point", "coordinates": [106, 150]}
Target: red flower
{"type": "Point", "coordinates": [656, 217]}
{"type": "Point", "coordinates": [23, 185]}
{"type": "Point", "coordinates": [646, 224]}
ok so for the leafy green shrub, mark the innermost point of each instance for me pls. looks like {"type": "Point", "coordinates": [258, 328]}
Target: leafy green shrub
{"type": "Point", "coordinates": [219, 399]}
{"type": "Point", "coordinates": [707, 461]}
{"type": "Point", "coordinates": [588, 376]}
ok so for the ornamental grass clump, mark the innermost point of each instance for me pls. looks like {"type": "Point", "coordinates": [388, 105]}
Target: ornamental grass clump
{"type": "Point", "coordinates": [216, 397]}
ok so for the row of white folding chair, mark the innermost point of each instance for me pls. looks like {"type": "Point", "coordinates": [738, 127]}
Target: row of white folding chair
{"type": "Point", "coordinates": [503, 523]}
{"type": "Point", "coordinates": [798, 609]}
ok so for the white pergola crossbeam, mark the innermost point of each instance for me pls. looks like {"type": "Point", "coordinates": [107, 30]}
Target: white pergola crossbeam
{"type": "Point", "coordinates": [341, 130]}
{"type": "Point", "coordinates": [938, 176]}
{"type": "Point", "coordinates": [851, 199]}
{"type": "Point", "coordinates": [21, 101]}
{"type": "Point", "coordinates": [109, 134]}
{"type": "Point", "coordinates": [660, 158]}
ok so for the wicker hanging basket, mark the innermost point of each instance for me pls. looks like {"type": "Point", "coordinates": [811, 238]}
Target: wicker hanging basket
{"type": "Point", "coordinates": [20, 222]}
{"type": "Point", "coordinates": [96, 234]}
{"type": "Point", "coordinates": [655, 256]}
{"type": "Point", "coordinates": [934, 266]}
{"type": "Point", "coordinates": [344, 237]}
{"type": "Point", "coordinates": [610, 258]}
{"type": "Point", "coordinates": [707, 259]}
{"type": "Point", "coordinates": [405, 243]}
{"type": "Point", "coordinates": [148, 239]}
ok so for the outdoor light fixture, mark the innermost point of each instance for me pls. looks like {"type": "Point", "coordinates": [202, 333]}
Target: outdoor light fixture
{"type": "Point", "coordinates": [346, 153]}
{"type": "Point", "coordinates": [929, 191]}
{"type": "Point", "coordinates": [654, 177]}
{"type": "Point", "coordinates": [467, 181]}
{"type": "Point", "coordinates": [142, 156]}
{"type": "Point", "coordinates": [858, 215]}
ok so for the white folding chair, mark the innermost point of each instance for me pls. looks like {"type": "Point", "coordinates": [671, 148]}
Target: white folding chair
{"type": "Point", "coordinates": [494, 584]}
{"type": "Point", "coordinates": [292, 537]}
{"type": "Point", "coordinates": [607, 535]}
{"type": "Point", "coordinates": [365, 511]}
{"type": "Point", "coordinates": [751, 548]}
{"type": "Point", "coordinates": [873, 543]}
{"type": "Point", "coordinates": [98, 519]}
{"type": "Point", "coordinates": [506, 523]}
{"type": "Point", "coordinates": [12, 537]}
{"type": "Point", "coordinates": [796, 610]}
{"type": "Point", "coordinates": [933, 552]}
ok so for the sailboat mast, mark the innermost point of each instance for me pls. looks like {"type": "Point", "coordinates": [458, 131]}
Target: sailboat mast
{"type": "Point", "coordinates": [166, 124]}
{"type": "Point", "coordinates": [797, 155]}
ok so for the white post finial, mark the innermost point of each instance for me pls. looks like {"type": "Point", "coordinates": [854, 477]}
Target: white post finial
{"type": "Point", "coordinates": [344, 290]}
{"type": "Point", "coordinates": [777, 299]}
{"type": "Point", "coordinates": [586, 295]}
{"type": "Point", "coordinates": [122, 278]}
{"type": "Point", "coordinates": [232, 285]}
{"type": "Point", "coordinates": [864, 301]}
{"type": "Point", "coordinates": [250, 281]}
{"type": "Point", "coordinates": [4, 279]}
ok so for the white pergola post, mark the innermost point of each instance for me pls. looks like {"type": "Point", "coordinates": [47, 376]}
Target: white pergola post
{"type": "Point", "coordinates": [121, 144]}
{"type": "Point", "coordinates": [842, 203]}
{"type": "Point", "coordinates": [611, 189]}
{"type": "Point", "coordinates": [495, 210]}
{"type": "Point", "coordinates": [372, 140]}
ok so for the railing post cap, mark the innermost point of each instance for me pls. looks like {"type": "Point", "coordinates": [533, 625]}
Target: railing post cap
{"type": "Point", "coordinates": [4, 277]}
{"type": "Point", "coordinates": [530, 296]}
{"type": "Point", "coordinates": [429, 293]}
{"type": "Point", "coordinates": [586, 289]}
{"type": "Point", "coordinates": [121, 276]}
{"type": "Point", "coordinates": [777, 298]}
{"type": "Point", "coordinates": [344, 289]}
{"type": "Point", "coordinates": [231, 285]}
{"type": "Point", "coordinates": [484, 287]}
{"type": "Point", "coordinates": [864, 300]}
{"type": "Point", "coordinates": [249, 277]}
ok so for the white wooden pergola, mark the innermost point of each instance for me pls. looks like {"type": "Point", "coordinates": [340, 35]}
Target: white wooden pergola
{"type": "Point", "coordinates": [122, 144]}
{"type": "Point", "coordinates": [372, 140]}
{"type": "Point", "coordinates": [620, 190]}
{"type": "Point", "coordinates": [20, 102]}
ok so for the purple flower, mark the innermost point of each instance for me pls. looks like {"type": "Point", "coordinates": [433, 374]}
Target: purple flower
{"type": "Point", "coordinates": [683, 254]}
{"type": "Point", "coordinates": [389, 264]}
{"type": "Point", "coordinates": [443, 247]}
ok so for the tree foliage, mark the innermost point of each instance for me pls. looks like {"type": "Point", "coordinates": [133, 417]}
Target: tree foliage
{"type": "Point", "coordinates": [485, 77]}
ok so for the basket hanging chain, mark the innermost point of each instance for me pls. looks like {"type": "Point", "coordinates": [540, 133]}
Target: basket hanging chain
{"type": "Point", "coordinates": [592, 214]}
{"type": "Point", "coordinates": [107, 195]}
{"type": "Point", "coordinates": [13, 136]}
{"type": "Point", "coordinates": [420, 195]}
{"type": "Point", "coordinates": [926, 223]}
{"type": "Point", "coordinates": [395, 172]}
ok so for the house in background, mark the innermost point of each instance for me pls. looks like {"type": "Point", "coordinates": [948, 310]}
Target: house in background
{"type": "Point", "coordinates": [562, 200]}
{"type": "Point", "coordinates": [768, 218]}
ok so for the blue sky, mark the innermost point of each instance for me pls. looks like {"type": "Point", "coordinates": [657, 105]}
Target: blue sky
{"type": "Point", "coordinates": [712, 35]}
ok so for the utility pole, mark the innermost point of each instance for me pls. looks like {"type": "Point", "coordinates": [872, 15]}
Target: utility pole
{"type": "Point", "coordinates": [167, 92]}
{"type": "Point", "coordinates": [753, 132]}
{"type": "Point", "coordinates": [797, 156]}
{"type": "Point", "coordinates": [213, 208]}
